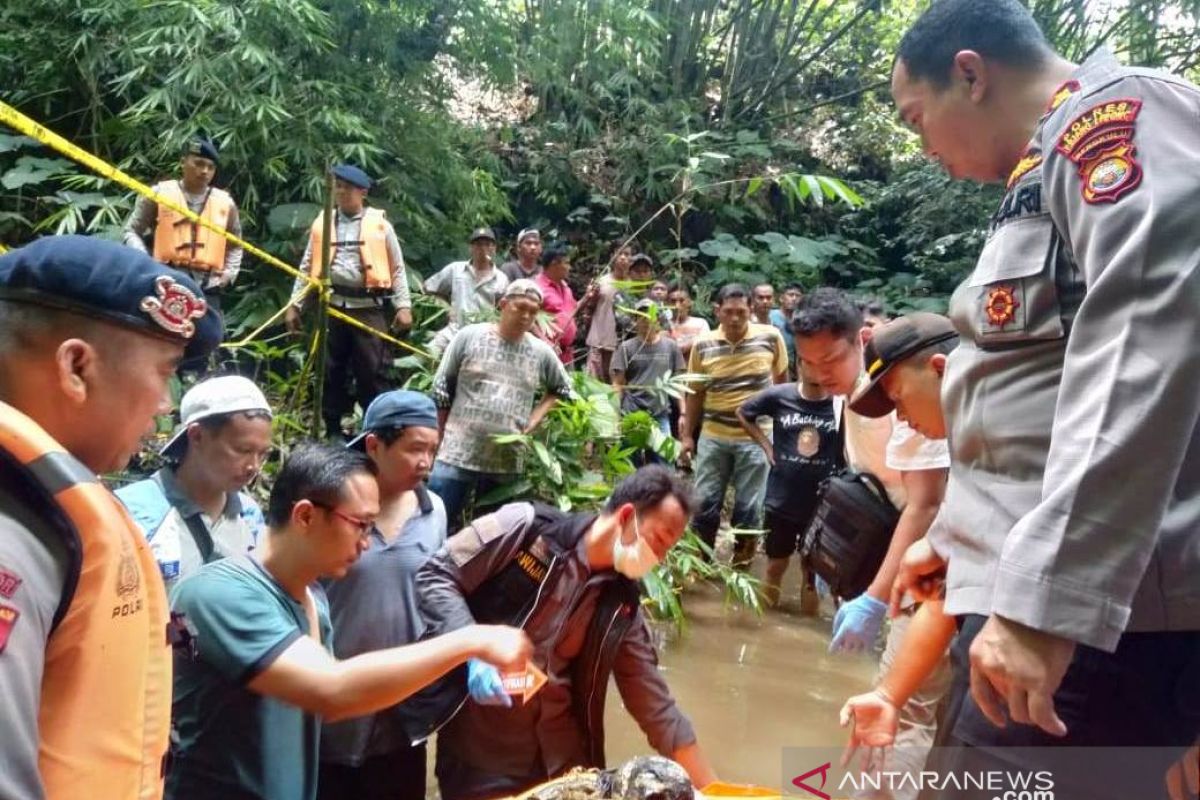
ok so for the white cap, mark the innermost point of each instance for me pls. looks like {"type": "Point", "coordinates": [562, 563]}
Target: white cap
{"type": "Point", "coordinates": [223, 395]}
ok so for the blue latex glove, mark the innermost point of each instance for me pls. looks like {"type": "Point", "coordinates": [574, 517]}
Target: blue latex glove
{"type": "Point", "coordinates": [856, 624]}
{"type": "Point", "coordinates": [483, 682]}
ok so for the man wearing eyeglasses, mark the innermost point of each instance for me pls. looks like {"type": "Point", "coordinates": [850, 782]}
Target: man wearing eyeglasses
{"type": "Point", "coordinates": [259, 678]}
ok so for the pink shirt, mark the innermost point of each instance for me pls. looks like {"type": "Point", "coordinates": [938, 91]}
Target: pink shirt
{"type": "Point", "coordinates": [559, 301]}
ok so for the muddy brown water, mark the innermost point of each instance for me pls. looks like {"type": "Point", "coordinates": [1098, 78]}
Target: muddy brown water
{"type": "Point", "coordinates": [751, 685]}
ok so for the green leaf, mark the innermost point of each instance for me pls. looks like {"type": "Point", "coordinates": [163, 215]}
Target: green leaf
{"type": "Point", "coordinates": [753, 186]}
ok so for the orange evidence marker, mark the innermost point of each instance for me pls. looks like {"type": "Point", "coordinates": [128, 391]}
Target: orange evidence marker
{"type": "Point", "coordinates": [524, 684]}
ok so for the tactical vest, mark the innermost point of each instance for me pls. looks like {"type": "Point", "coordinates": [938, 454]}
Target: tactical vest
{"type": "Point", "coordinates": [510, 597]}
{"type": "Point", "coordinates": [105, 707]}
{"type": "Point", "coordinates": [182, 243]}
{"type": "Point", "coordinates": [372, 249]}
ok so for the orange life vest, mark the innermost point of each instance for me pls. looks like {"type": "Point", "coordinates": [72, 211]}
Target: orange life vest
{"type": "Point", "coordinates": [372, 248]}
{"type": "Point", "coordinates": [105, 710]}
{"type": "Point", "coordinates": [182, 243]}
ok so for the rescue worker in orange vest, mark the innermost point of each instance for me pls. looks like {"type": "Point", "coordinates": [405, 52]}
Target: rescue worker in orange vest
{"type": "Point", "coordinates": [367, 269]}
{"type": "Point", "coordinates": [206, 256]}
{"type": "Point", "coordinates": [90, 333]}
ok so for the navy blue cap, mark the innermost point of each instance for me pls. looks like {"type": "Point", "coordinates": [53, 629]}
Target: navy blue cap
{"type": "Point", "coordinates": [352, 175]}
{"type": "Point", "coordinates": [107, 281]}
{"type": "Point", "coordinates": [200, 146]}
{"type": "Point", "coordinates": [400, 408]}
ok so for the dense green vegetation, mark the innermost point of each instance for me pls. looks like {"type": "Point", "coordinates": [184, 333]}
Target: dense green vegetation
{"type": "Point", "coordinates": [738, 139]}
{"type": "Point", "coordinates": [585, 117]}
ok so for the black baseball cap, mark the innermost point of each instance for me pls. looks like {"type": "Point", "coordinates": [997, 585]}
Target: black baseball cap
{"type": "Point", "coordinates": [890, 345]}
{"type": "Point", "coordinates": [482, 233]}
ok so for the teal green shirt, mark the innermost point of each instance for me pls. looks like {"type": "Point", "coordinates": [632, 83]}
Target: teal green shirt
{"type": "Point", "coordinates": [233, 743]}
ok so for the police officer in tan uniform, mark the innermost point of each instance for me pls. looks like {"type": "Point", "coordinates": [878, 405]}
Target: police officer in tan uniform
{"type": "Point", "coordinates": [1071, 525]}
{"type": "Point", "coordinates": [206, 256]}
{"type": "Point", "coordinates": [90, 333]}
{"type": "Point", "coordinates": [367, 271]}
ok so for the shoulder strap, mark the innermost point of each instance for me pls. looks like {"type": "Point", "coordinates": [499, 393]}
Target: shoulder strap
{"type": "Point", "coordinates": [202, 537]}
{"type": "Point", "coordinates": [146, 503]}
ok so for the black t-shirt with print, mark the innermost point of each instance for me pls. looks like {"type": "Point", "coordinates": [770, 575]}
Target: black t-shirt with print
{"type": "Point", "coordinates": [808, 447]}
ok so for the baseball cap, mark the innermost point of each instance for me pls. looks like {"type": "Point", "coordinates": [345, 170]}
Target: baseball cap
{"type": "Point", "coordinates": [104, 280]}
{"type": "Point", "coordinates": [482, 233]}
{"type": "Point", "coordinates": [222, 395]}
{"type": "Point", "coordinates": [529, 233]}
{"type": "Point", "coordinates": [400, 408]}
{"type": "Point", "coordinates": [890, 345]}
{"type": "Point", "coordinates": [523, 287]}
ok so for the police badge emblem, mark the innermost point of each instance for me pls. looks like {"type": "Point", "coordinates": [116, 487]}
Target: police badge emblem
{"type": "Point", "coordinates": [174, 307]}
{"type": "Point", "coordinates": [1000, 305]}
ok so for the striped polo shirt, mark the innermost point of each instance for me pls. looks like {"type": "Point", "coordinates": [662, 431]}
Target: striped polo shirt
{"type": "Point", "coordinates": [735, 372]}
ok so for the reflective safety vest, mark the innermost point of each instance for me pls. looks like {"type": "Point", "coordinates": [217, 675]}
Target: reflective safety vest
{"type": "Point", "coordinates": [182, 243]}
{"type": "Point", "coordinates": [372, 248]}
{"type": "Point", "coordinates": [105, 708]}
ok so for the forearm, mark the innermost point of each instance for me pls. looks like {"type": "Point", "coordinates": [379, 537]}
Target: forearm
{"type": "Point", "coordinates": [914, 521]}
{"type": "Point", "coordinates": [233, 252]}
{"type": "Point", "coordinates": [442, 415]}
{"type": "Point", "coordinates": [693, 759]}
{"type": "Point", "coordinates": [378, 680]}
{"type": "Point", "coordinates": [924, 643]}
{"type": "Point", "coordinates": [754, 432]}
{"type": "Point", "coordinates": [540, 411]}
{"type": "Point", "coordinates": [141, 223]}
{"type": "Point", "coordinates": [401, 297]}
{"type": "Point", "coordinates": [694, 414]}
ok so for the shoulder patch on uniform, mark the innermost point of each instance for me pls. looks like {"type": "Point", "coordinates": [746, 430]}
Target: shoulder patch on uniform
{"type": "Point", "coordinates": [8, 618]}
{"type": "Point", "coordinates": [1100, 143]}
{"type": "Point", "coordinates": [1112, 114]}
{"type": "Point", "coordinates": [1027, 164]}
{"type": "Point", "coordinates": [464, 545]}
{"type": "Point", "coordinates": [1061, 95]}
{"type": "Point", "coordinates": [9, 582]}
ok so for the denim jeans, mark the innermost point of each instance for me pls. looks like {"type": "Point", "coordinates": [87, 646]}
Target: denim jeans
{"type": "Point", "coordinates": [720, 462]}
{"type": "Point", "coordinates": [455, 486]}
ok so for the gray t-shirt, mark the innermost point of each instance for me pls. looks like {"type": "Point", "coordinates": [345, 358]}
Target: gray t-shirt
{"type": "Point", "coordinates": [33, 566]}
{"type": "Point", "coordinates": [514, 271]}
{"type": "Point", "coordinates": [490, 386]}
{"type": "Point", "coordinates": [374, 607]}
{"type": "Point", "coordinates": [643, 365]}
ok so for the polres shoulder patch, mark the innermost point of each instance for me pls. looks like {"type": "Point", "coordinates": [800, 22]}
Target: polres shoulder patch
{"type": "Point", "coordinates": [1100, 143]}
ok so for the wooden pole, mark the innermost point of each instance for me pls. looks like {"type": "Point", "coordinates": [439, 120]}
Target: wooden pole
{"type": "Point", "coordinates": [322, 325]}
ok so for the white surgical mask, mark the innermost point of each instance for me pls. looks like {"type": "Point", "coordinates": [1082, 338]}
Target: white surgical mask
{"type": "Point", "coordinates": [635, 560]}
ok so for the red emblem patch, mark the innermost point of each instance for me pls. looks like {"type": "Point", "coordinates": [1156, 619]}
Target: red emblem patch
{"type": "Point", "coordinates": [175, 307]}
{"type": "Point", "coordinates": [8, 618]}
{"type": "Point", "coordinates": [1110, 174]}
{"type": "Point", "coordinates": [1100, 142]}
{"type": "Point", "coordinates": [8, 583]}
{"type": "Point", "coordinates": [1000, 306]}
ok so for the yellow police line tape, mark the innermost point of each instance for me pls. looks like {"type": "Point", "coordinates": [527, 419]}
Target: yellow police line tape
{"type": "Point", "coordinates": [19, 122]}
